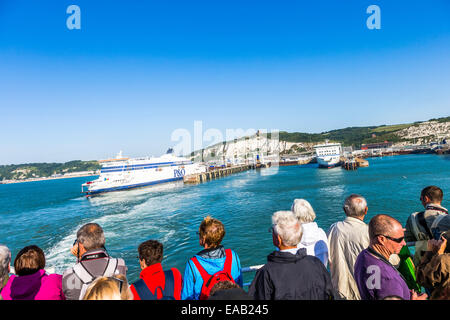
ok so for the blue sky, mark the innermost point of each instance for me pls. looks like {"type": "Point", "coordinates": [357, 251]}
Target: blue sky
{"type": "Point", "coordinates": [138, 70]}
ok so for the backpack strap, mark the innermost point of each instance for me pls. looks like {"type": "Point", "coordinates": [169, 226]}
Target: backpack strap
{"type": "Point", "coordinates": [205, 275]}
{"type": "Point", "coordinates": [415, 228]}
{"type": "Point", "coordinates": [423, 223]}
{"type": "Point", "coordinates": [111, 267]}
{"type": "Point", "coordinates": [437, 220]}
{"type": "Point", "coordinates": [145, 293]}
{"type": "Point", "coordinates": [228, 261]}
{"type": "Point", "coordinates": [169, 286]}
{"type": "Point", "coordinates": [143, 290]}
{"type": "Point", "coordinates": [82, 273]}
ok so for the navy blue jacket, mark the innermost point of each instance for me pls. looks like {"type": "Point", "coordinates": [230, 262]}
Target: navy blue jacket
{"type": "Point", "coordinates": [286, 276]}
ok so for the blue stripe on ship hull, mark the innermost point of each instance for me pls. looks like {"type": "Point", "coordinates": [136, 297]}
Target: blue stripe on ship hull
{"type": "Point", "coordinates": [132, 186]}
{"type": "Point", "coordinates": [330, 166]}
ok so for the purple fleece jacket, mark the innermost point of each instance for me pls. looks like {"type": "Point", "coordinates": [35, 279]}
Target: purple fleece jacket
{"type": "Point", "coordinates": [377, 279]}
{"type": "Point", "coordinates": [36, 286]}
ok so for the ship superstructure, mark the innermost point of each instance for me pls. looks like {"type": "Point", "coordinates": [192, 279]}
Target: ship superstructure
{"type": "Point", "coordinates": [127, 173]}
{"type": "Point", "coordinates": [328, 154]}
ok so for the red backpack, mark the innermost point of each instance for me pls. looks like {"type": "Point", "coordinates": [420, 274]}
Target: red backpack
{"type": "Point", "coordinates": [210, 280]}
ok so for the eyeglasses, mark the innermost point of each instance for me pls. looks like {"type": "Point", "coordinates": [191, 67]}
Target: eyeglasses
{"type": "Point", "coordinates": [271, 229]}
{"type": "Point", "coordinates": [398, 240]}
{"type": "Point", "coordinates": [75, 242]}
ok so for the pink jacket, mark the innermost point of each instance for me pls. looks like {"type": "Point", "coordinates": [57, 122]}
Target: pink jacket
{"type": "Point", "coordinates": [36, 286]}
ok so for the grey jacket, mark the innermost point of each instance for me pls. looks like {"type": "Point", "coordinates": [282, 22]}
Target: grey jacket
{"type": "Point", "coordinates": [97, 265]}
{"type": "Point", "coordinates": [416, 231]}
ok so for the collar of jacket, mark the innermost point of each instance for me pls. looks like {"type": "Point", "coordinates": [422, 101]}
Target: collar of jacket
{"type": "Point", "coordinates": [213, 253]}
{"type": "Point", "coordinates": [286, 257]}
{"type": "Point", "coordinates": [93, 252]}
{"type": "Point", "coordinates": [151, 270]}
{"type": "Point", "coordinates": [437, 207]}
{"type": "Point", "coordinates": [354, 220]}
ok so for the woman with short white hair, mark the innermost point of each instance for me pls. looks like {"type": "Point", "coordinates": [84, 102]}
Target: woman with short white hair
{"type": "Point", "coordinates": [314, 239]}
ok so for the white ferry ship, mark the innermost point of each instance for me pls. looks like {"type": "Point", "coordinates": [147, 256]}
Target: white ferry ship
{"type": "Point", "coordinates": [328, 154]}
{"type": "Point", "coordinates": [128, 173]}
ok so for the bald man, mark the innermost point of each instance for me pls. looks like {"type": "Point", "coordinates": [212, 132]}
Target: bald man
{"type": "Point", "coordinates": [375, 276]}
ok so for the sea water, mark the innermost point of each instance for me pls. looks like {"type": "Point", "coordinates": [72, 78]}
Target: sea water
{"type": "Point", "coordinates": [49, 213]}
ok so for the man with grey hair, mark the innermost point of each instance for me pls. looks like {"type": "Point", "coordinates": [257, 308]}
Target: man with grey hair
{"type": "Point", "coordinates": [290, 274]}
{"type": "Point", "coordinates": [314, 239]}
{"type": "Point", "coordinates": [346, 239]}
{"type": "Point", "coordinates": [92, 261]}
{"type": "Point", "coordinates": [5, 266]}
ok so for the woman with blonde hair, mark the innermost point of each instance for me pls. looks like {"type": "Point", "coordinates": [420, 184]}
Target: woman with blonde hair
{"type": "Point", "coordinates": [109, 288]}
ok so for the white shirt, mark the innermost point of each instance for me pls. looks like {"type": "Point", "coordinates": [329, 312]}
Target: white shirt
{"type": "Point", "coordinates": [293, 251]}
{"type": "Point", "coordinates": [315, 241]}
{"type": "Point", "coordinates": [346, 240]}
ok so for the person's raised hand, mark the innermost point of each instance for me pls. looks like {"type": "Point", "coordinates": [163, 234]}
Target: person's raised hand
{"type": "Point", "coordinates": [418, 296]}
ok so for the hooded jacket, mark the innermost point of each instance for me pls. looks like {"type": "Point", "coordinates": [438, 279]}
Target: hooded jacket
{"type": "Point", "coordinates": [315, 241]}
{"type": "Point", "coordinates": [36, 286]}
{"type": "Point", "coordinates": [286, 276]}
{"type": "Point", "coordinates": [212, 260]}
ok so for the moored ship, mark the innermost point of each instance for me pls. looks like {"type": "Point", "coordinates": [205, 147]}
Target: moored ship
{"type": "Point", "coordinates": [328, 155]}
{"type": "Point", "coordinates": [123, 173]}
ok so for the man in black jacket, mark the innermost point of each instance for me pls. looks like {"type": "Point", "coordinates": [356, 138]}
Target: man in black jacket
{"type": "Point", "coordinates": [289, 273]}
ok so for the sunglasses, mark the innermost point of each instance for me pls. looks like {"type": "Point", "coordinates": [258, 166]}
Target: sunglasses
{"type": "Point", "coordinates": [119, 283]}
{"type": "Point", "coordinates": [398, 240]}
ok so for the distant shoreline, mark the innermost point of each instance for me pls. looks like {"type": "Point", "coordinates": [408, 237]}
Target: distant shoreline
{"type": "Point", "coordinates": [49, 178]}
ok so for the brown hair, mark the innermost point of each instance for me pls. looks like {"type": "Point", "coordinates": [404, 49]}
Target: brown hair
{"type": "Point", "coordinates": [433, 193]}
{"type": "Point", "coordinates": [151, 251]}
{"type": "Point", "coordinates": [212, 231]}
{"type": "Point", "coordinates": [223, 285]}
{"type": "Point", "coordinates": [29, 260]}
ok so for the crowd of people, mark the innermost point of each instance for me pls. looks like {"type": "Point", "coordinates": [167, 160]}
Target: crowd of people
{"type": "Point", "coordinates": [363, 261]}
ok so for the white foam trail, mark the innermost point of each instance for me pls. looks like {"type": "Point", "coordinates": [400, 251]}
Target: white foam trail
{"type": "Point", "coordinates": [122, 225]}
{"type": "Point", "coordinates": [59, 256]}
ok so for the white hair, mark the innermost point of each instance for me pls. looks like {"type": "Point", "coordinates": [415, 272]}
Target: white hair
{"type": "Point", "coordinates": [303, 211]}
{"type": "Point", "coordinates": [355, 205]}
{"type": "Point", "coordinates": [5, 260]}
{"type": "Point", "coordinates": [287, 226]}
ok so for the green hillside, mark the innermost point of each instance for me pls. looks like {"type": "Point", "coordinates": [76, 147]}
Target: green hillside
{"type": "Point", "coordinates": [38, 170]}
{"type": "Point", "coordinates": [354, 136]}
